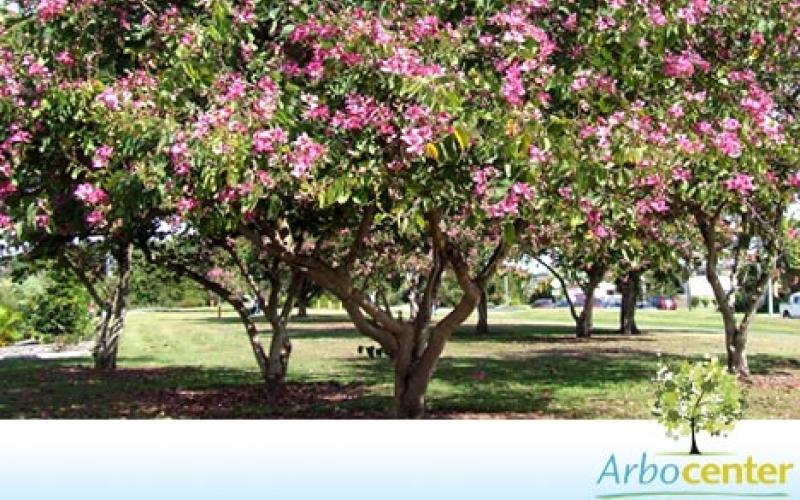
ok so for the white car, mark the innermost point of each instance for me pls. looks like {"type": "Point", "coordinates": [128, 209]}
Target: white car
{"type": "Point", "coordinates": [791, 309]}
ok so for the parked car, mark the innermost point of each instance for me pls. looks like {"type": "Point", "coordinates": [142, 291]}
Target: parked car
{"type": "Point", "coordinates": [791, 309]}
{"type": "Point", "coordinates": [612, 302]}
{"type": "Point", "coordinates": [664, 303]}
{"type": "Point", "coordinates": [543, 303]}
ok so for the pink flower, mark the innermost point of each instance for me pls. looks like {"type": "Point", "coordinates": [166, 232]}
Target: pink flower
{"type": "Point", "coordinates": [90, 194]}
{"type": "Point", "coordinates": [5, 222]}
{"type": "Point", "coordinates": [740, 183]}
{"type": "Point", "coordinates": [731, 124]}
{"type": "Point", "coordinates": [728, 143]}
{"type": "Point", "coordinates": [681, 174]}
{"type": "Point", "coordinates": [600, 232]}
{"type": "Point", "coordinates": [571, 22]}
{"type": "Point", "coordinates": [794, 180]}
{"type": "Point", "coordinates": [95, 218]}
{"type": "Point", "coordinates": [109, 99]}
{"type": "Point", "coordinates": [538, 155]}
{"type": "Point", "coordinates": [102, 157]}
{"type": "Point", "coordinates": [656, 16]}
{"type": "Point", "coordinates": [416, 138]}
{"type": "Point", "coordinates": [565, 192]}
{"type": "Point", "coordinates": [406, 62]}
{"type": "Point", "coordinates": [481, 179]}
{"type": "Point", "coordinates": [513, 89]}
{"type": "Point", "coordinates": [65, 58]}
{"type": "Point", "coordinates": [7, 188]}
{"type": "Point", "coordinates": [42, 220]}
{"type": "Point", "coordinates": [265, 141]}
{"type": "Point", "coordinates": [186, 204]}
{"type": "Point", "coordinates": [305, 153]}
{"type": "Point", "coordinates": [50, 9]}
{"type": "Point", "coordinates": [683, 65]}
{"type": "Point", "coordinates": [675, 111]}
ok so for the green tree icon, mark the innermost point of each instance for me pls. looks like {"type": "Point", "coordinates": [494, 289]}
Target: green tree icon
{"type": "Point", "coordinates": [696, 397]}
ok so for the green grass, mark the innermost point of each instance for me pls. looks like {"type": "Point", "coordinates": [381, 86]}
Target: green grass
{"type": "Point", "coordinates": [191, 364]}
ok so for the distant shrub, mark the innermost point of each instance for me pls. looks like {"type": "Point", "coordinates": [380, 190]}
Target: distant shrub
{"type": "Point", "coordinates": [10, 324]}
{"type": "Point", "coordinates": [55, 308]}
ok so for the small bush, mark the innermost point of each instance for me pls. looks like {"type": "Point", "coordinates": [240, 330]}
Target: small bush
{"type": "Point", "coordinates": [10, 323]}
{"type": "Point", "coordinates": [56, 309]}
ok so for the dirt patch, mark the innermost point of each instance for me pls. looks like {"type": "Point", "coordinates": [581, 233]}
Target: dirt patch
{"type": "Point", "coordinates": [170, 393]}
{"type": "Point", "coordinates": [776, 381]}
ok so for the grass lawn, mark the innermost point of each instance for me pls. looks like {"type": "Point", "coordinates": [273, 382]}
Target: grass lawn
{"type": "Point", "coordinates": [191, 364]}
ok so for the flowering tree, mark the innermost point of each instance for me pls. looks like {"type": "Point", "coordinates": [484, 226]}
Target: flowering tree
{"type": "Point", "coordinates": [426, 125]}
{"type": "Point", "coordinates": [77, 182]}
{"type": "Point", "coordinates": [228, 269]}
{"type": "Point", "coordinates": [732, 148]}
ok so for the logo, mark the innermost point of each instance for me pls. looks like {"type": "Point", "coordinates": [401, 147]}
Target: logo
{"type": "Point", "coordinates": [692, 476]}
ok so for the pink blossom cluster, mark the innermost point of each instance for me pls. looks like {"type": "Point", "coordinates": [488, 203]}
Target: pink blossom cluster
{"type": "Point", "coordinates": [305, 152]}
{"type": "Point", "coordinates": [90, 194]}
{"type": "Point", "coordinates": [407, 63]}
{"type": "Point", "coordinates": [740, 183]}
{"type": "Point", "coordinates": [509, 204]}
{"type": "Point", "coordinates": [416, 138]}
{"type": "Point", "coordinates": [361, 112]}
{"type": "Point", "coordinates": [425, 27]}
{"type": "Point", "coordinates": [587, 78]}
{"type": "Point", "coordinates": [694, 12]}
{"type": "Point", "coordinates": [683, 65]}
{"type": "Point", "coordinates": [794, 180]}
{"type": "Point", "coordinates": [266, 141]}
{"type": "Point", "coordinates": [102, 156]}
{"type": "Point", "coordinates": [179, 155]}
{"type": "Point", "coordinates": [594, 219]}
{"type": "Point", "coordinates": [728, 142]}
{"type": "Point", "coordinates": [481, 178]}
{"type": "Point", "coordinates": [513, 87]}
{"type": "Point", "coordinates": [7, 188]}
{"type": "Point", "coordinates": [266, 103]}
{"type": "Point", "coordinates": [47, 10]}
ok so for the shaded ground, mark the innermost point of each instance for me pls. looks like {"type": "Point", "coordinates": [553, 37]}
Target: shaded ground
{"type": "Point", "coordinates": [193, 365]}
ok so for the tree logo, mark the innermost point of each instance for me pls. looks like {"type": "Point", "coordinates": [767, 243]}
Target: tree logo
{"type": "Point", "coordinates": [697, 397]}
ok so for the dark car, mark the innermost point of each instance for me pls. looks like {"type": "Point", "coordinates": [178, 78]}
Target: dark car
{"type": "Point", "coordinates": [543, 303]}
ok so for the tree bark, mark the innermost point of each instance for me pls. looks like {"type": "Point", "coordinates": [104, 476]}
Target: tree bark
{"type": "Point", "coordinates": [585, 321]}
{"type": "Point", "coordinates": [483, 315]}
{"type": "Point", "coordinates": [112, 323]}
{"type": "Point", "coordinates": [629, 285]}
{"type": "Point", "coordinates": [735, 334]}
{"type": "Point", "coordinates": [302, 308]}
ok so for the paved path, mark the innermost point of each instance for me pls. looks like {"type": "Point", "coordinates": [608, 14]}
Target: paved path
{"type": "Point", "coordinates": [45, 351]}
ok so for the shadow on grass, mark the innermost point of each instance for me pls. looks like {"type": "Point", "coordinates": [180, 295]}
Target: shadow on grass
{"type": "Point", "coordinates": [565, 379]}
{"type": "Point", "coordinates": [36, 389]}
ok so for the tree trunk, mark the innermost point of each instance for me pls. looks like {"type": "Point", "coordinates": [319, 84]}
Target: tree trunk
{"type": "Point", "coordinates": [253, 336]}
{"type": "Point", "coordinates": [483, 315]}
{"type": "Point", "coordinates": [630, 293]}
{"type": "Point", "coordinates": [695, 450]}
{"type": "Point", "coordinates": [112, 324]}
{"type": "Point", "coordinates": [280, 349]}
{"type": "Point", "coordinates": [584, 323]}
{"type": "Point", "coordinates": [583, 326]}
{"type": "Point", "coordinates": [410, 383]}
{"type": "Point", "coordinates": [302, 308]}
